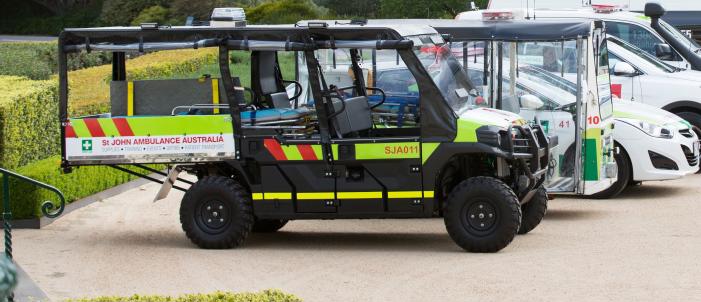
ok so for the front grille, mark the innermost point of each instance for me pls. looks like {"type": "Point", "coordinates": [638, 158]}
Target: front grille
{"type": "Point", "coordinates": [686, 133]}
{"type": "Point", "coordinates": [690, 158]}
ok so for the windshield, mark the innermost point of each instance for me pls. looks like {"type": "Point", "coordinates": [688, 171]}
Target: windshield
{"type": "Point", "coordinates": [450, 77]}
{"type": "Point", "coordinates": [655, 62]}
{"type": "Point", "coordinates": [678, 35]}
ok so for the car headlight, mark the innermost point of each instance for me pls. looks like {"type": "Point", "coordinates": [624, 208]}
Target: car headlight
{"type": "Point", "coordinates": [654, 130]}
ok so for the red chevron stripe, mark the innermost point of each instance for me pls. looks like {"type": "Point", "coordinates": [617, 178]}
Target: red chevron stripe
{"type": "Point", "coordinates": [70, 132]}
{"type": "Point", "coordinates": [274, 148]}
{"type": "Point", "coordinates": [123, 126]}
{"type": "Point", "coordinates": [307, 152]}
{"type": "Point", "coordinates": [94, 127]}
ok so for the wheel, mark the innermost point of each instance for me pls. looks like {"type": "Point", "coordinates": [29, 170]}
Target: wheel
{"type": "Point", "coordinates": [534, 210]}
{"type": "Point", "coordinates": [482, 214]}
{"type": "Point", "coordinates": [268, 225]}
{"type": "Point", "coordinates": [625, 174]}
{"type": "Point", "coordinates": [216, 213]}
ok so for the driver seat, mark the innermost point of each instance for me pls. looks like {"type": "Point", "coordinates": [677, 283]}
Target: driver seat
{"type": "Point", "coordinates": [267, 83]}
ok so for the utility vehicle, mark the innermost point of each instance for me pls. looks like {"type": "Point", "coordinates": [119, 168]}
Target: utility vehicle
{"type": "Point", "coordinates": [493, 53]}
{"type": "Point", "coordinates": [583, 163]}
{"type": "Point", "coordinates": [284, 155]}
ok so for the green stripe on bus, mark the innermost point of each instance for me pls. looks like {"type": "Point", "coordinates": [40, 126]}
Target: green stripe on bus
{"type": "Point", "coordinates": [592, 154]}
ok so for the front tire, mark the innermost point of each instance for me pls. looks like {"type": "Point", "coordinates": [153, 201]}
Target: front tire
{"type": "Point", "coordinates": [216, 213]}
{"type": "Point", "coordinates": [534, 210]}
{"type": "Point", "coordinates": [482, 214]}
{"type": "Point", "coordinates": [625, 175]}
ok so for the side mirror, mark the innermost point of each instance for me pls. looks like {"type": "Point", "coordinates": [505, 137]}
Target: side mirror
{"type": "Point", "coordinates": [624, 69]}
{"type": "Point", "coordinates": [664, 52]}
{"type": "Point", "coordinates": [654, 10]}
{"type": "Point", "coordinates": [530, 101]}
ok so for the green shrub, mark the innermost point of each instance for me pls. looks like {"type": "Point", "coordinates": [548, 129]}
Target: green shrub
{"type": "Point", "coordinates": [264, 296]}
{"type": "Point", "coordinates": [122, 12]}
{"type": "Point", "coordinates": [284, 12]}
{"type": "Point", "coordinates": [26, 199]}
{"type": "Point", "coordinates": [29, 127]}
{"type": "Point", "coordinates": [156, 13]}
{"type": "Point", "coordinates": [39, 60]}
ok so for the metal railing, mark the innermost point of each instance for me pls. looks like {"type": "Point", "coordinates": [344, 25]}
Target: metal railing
{"type": "Point", "coordinates": [48, 209]}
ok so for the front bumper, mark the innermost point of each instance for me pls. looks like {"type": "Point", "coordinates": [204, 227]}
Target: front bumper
{"type": "Point", "coordinates": [655, 158]}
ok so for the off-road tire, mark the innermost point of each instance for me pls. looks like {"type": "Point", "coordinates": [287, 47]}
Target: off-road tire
{"type": "Point", "coordinates": [625, 174]}
{"type": "Point", "coordinates": [268, 225]}
{"type": "Point", "coordinates": [496, 198]}
{"type": "Point", "coordinates": [216, 213]}
{"type": "Point", "coordinates": [534, 210]}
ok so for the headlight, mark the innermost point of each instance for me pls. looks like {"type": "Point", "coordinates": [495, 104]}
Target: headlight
{"type": "Point", "coordinates": [654, 130]}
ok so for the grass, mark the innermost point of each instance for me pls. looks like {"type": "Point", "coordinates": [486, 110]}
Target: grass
{"type": "Point", "coordinates": [264, 296]}
{"type": "Point", "coordinates": [82, 182]}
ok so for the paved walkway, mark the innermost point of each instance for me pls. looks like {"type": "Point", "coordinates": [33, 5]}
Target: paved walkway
{"type": "Point", "coordinates": [645, 246]}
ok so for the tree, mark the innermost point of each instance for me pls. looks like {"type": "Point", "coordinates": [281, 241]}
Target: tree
{"type": "Point", "coordinates": [357, 8]}
{"type": "Point", "coordinates": [283, 11]}
{"type": "Point", "coordinates": [156, 13]}
{"type": "Point", "coordinates": [424, 8]}
{"type": "Point", "coordinates": [122, 12]}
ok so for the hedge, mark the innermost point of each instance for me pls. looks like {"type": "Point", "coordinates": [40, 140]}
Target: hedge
{"type": "Point", "coordinates": [26, 199]}
{"type": "Point", "coordinates": [39, 60]}
{"type": "Point", "coordinates": [264, 296]}
{"type": "Point", "coordinates": [89, 88]}
{"type": "Point", "coordinates": [29, 127]}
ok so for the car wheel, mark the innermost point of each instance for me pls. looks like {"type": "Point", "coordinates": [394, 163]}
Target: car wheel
{"type": "Point", "coordinates": [482, 214]}
{"type": "Point", "coordinates": [534, 210]}
{"type": "Point", "coordinates": [268, 225]}
{"type": "Point", "coordinates": [216, 213]}
{"type": "Point", "coordinates": [625, 174]}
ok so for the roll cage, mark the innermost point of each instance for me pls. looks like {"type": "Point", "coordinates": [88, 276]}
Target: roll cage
{"type": "Point", "coordinates": [438, 120]}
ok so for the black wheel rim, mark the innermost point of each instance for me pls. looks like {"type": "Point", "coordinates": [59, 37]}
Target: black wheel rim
{"type": "Point", "coordinates": [213, 216]}
{"type": "Point", "coordinates": [480, 216]}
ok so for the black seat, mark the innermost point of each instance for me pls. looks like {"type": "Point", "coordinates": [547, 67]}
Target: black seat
{"type": "Point", "coordinates": [267, 83]}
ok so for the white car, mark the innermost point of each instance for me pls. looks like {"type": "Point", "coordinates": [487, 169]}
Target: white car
{"type": "Point", "coordinates": [653, 144]}
{"type": "Point", "coordinates": [647, 31]}
{"type": "Point", "coordinates": [641, 78]}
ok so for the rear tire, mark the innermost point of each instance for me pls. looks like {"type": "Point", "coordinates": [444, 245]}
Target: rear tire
{"type": "Point", "coordinates": [216, 213]}
{"type": "Point", "coordinates": [625, 175]}
{"type": "Point", "coordinates": [534, 210]}
{"type": "Point", "coordinates": [482, 214]}
{"type": "Point", "coordinates": [268, 225]}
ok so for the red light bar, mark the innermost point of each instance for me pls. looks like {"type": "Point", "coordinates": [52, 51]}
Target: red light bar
{"type": "Point", "coordinates": [604, 8]}
{"type": "Point", "coordinates": [497, 15]}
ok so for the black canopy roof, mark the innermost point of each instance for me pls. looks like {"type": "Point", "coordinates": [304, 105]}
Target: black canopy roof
{"type": "Point", "coordinates": [520, 30]}
{"type": "Point", "coordinates": [289, 37]}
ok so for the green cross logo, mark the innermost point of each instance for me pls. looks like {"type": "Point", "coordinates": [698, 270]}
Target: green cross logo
{"type": "Point", "coordinates": [87, 145]}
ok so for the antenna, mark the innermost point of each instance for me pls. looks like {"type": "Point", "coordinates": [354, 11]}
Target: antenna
{"type": "Point", "coordinates": [533, 9]}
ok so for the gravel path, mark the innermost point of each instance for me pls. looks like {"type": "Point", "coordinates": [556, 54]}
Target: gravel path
{"type": "Point", "coordinates": [644, 246]}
